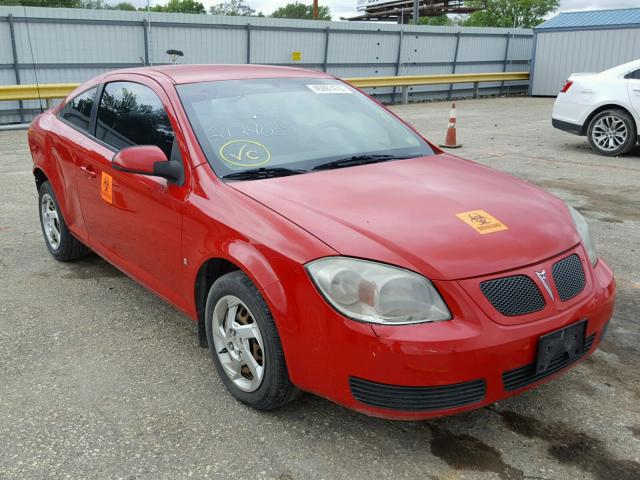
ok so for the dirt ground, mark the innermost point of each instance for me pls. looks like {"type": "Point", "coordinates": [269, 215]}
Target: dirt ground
{"type": "Point", "coordinates": [101, 379]}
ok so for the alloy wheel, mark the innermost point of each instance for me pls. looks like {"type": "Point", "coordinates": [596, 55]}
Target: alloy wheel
{"type": "Point", "coordinates": [609, 133]}
{"type": "Point", "coordinates": [238, 343]}
{"type": "Point", "coordinates": [50, 221]}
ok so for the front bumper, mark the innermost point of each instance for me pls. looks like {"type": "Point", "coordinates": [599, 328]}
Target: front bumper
{"type": "Point", "coordinates": [430, 370]}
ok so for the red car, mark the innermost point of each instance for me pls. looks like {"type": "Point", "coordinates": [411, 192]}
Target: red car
{"type": "Point", "coordinates": [318, 241]}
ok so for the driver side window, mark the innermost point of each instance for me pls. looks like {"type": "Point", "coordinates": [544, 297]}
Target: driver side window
{"type": "Point", "coordinates": [132, 114]}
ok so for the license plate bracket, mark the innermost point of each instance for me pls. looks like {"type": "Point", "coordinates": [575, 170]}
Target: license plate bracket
{"type": "Point", "coordinates": [568, 341]}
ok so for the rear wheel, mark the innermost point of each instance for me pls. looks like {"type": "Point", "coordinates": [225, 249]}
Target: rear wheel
{"type": "Point", "coordinates": [612, 133]}
{"type": "Point", "coordinates": [244, 344]}
{"type": "Point", "coordinates": [61, 244]}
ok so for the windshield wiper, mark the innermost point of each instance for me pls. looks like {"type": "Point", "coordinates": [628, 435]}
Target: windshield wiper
{"type": "Point", "coordinates": [262, 172]}
{"type": "Point", "coordinates": [360, 160]}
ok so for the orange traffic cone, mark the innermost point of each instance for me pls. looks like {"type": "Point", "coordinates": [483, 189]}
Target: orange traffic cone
{"type": "Point", "coordinates": [450, 141]}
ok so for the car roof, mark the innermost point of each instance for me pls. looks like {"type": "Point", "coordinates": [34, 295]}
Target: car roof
{"type": "Point", "coordinates": [624, 68]}
{"type": "Point", "coordinates": [210, 72]}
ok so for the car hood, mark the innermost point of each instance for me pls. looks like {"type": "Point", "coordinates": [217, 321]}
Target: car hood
{"type": "Point", "coordinates": [413, 213]}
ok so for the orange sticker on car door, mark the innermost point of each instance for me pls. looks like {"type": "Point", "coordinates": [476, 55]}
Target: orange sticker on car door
{"type": "Point", "coordinates": [481, 221]}
{"type": "Point", "coordinates": [106, 188]}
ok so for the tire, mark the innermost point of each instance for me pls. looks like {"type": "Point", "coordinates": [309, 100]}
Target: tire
{"type": "Point", "coordinates": [274, 388]}
{"type": "Point", "coordinates": [62, 245]}
{"type": "Point", "coordinates": [612, 133]}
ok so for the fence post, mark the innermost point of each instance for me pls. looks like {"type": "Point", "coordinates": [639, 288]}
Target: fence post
{"type": "Point", "coordinates": [398, 64]}
{"type": "Point", "coordinates": [506, 58]}
{"type": "Point", "coordinates": [16, 70]}
{"type": "Point", "coordinates": [455, 62]}
{"type": "Point", "coordinates": [405, 95]}
{"type": "Point", "coordinates": [326, 49]}
{"type": "Point", "coordinates": [145, 30]}
{"type": "Point", "coordinates": [476, 89]}
{"type": "Point", "coordinates": [248, 43]}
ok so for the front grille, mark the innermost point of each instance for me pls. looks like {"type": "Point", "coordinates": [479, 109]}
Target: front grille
{"type": "Point", "coordinates": [512, 296]}
{"type": "Point", "coordinates": [568, 276]}
{"type": "Point", "coordinates": [523, 376]}
{"type": "Point", "coordinates": [417, 399]}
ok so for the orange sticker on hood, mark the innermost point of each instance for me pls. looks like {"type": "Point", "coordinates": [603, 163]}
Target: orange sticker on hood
{"type": "Point", "coordinates": [481, 221]}
{"type": "Point", "coordinates": [106, 187]}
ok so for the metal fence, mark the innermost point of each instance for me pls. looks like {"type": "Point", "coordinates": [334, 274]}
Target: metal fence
{"type": "Point", "coordinates": [72, 45]}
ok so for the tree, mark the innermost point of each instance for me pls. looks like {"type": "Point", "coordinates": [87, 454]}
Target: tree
{"type": "Point", "coordinates": [95, 5]}
{"type": "Point", "coordinates": [43, 3]}
{"type": "Point", "coordinates": [125, 6]}
{"type": "Point", "coordinates": [179, 6]}
{"type": "Point", "coordinates": [301, 11]}
{"type": "Point", "coordinates": [235, 8]}
{"type": "Point", "coordinates": [438, 20]}
{"type": "Point", "coordinates": [512, 13]}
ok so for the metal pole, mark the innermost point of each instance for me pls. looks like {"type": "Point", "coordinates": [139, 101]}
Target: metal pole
{"type": "Point", "coordinates": [416, 12]}
{"type": "Point", "coordinates": [248, 43]}
{"type": "Point", "coordinates": [145, 25]}
{"type": "Point", "coordinates": [506, 58]}
{"type": "Point", "coordinates": [398, 64]}
{"type": "Point", "coordinates": [148, 33]}
{"type": "Point", "coordinates": [326, 49]}
{"type": "Point", "coordinates": [16, 70]}
{"type": "Point", "coordinates": [455, 62]}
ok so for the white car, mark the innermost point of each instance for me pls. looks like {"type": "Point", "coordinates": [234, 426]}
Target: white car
{"type": "Point", "coordinates": [603, 106]}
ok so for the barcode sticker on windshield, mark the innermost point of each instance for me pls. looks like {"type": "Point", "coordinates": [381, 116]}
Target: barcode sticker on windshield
{"type": "Point", "coordinates": [328, 89]}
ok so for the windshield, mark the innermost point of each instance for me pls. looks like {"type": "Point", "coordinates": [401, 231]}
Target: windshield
{"type": "Point", "coordinates": [294, 125]}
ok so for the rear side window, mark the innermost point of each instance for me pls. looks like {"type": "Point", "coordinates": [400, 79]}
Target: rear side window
{"type": "Point", "coordinates": [132, 114]}
{"type": "Point", "coordinates": [78, 110]}
{"type": "Point", "coordinates": [634, 75]}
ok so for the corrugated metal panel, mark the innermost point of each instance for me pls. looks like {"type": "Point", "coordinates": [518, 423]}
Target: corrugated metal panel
{"type": "Point", "coordinates": [485, 48]}
{"type": "Point", "coordinates": [593, 18]}
{"type": "Point", "coordinates": [420, 48]}
{"type": "Point", "coordinates": [558, 54]}
{"type": "Point", "coordinates": [5, 44]}
{"type": "Point", "coordinates": [85, 43]}
{"type": "Point", "coordinates": [198, 45]}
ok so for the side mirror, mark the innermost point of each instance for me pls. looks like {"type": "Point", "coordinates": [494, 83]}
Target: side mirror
{"type": "Point", "coordinates": [147, 160]}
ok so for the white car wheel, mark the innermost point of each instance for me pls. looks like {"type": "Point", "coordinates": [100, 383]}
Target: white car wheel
{"type": "Point", "coordinates": [612, 133]}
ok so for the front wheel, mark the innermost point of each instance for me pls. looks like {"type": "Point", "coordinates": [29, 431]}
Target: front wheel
{"type": "Point", "coordinates": [244, 344]}
{"type": "Point", "coordinates": [60, 242]}
{"type": "Point", "coordinates": [612, 133]}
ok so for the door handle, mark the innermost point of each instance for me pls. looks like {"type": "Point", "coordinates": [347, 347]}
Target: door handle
{"type": "Point", "coordinates": [88, 170]}
{"type": "Point", "coordinates": [637, 90]}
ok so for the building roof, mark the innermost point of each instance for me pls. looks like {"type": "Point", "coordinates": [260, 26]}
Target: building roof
{"type": "Point", "coordinates": [593, 18]}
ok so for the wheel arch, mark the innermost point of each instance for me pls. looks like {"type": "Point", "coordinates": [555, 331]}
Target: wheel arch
{"type": "Point", "coordinates": [602, 108]}
{"type": "Point", "coordinates": [210, 271]}
{"type": "Point", "coordinates": [40, 177]}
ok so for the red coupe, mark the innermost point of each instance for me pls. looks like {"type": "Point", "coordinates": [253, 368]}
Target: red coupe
{"type": "Point", "coordinates": [320, 243]}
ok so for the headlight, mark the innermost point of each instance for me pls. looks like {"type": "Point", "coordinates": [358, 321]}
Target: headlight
{"type": "Point", "coordinates": [583, 229]}
{"type": "Point", "coordinates": [377, 293]}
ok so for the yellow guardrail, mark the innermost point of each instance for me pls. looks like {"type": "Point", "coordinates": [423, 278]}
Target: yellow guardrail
{"type": "Point", "coordinates": [34, 92]}
{"type": "Point", "coordinates": [404, 82]}
{"type": "Point", "coordinates": [61, 90]}
{"type": "Point", "coordinates": [410, 80]}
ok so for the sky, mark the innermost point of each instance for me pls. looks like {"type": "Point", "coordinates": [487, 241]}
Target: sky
{"type": "Point", "coordinates": [346, 8]}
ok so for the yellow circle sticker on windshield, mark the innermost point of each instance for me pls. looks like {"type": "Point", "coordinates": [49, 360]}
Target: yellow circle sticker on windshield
{"type": "Point", "coordinates": [244, 153]}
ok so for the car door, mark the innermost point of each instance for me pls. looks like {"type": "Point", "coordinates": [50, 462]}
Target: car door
{"type": "Point", "coordinates": [133, 220]}
{"type": "Point", "coordinates": [633, 86]}
{"type": "Point", "coordinates": [72, 125]}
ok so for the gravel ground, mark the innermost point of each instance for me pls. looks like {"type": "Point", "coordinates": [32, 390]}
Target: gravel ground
{"type": "Point", "coordinates": [101, 379]}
